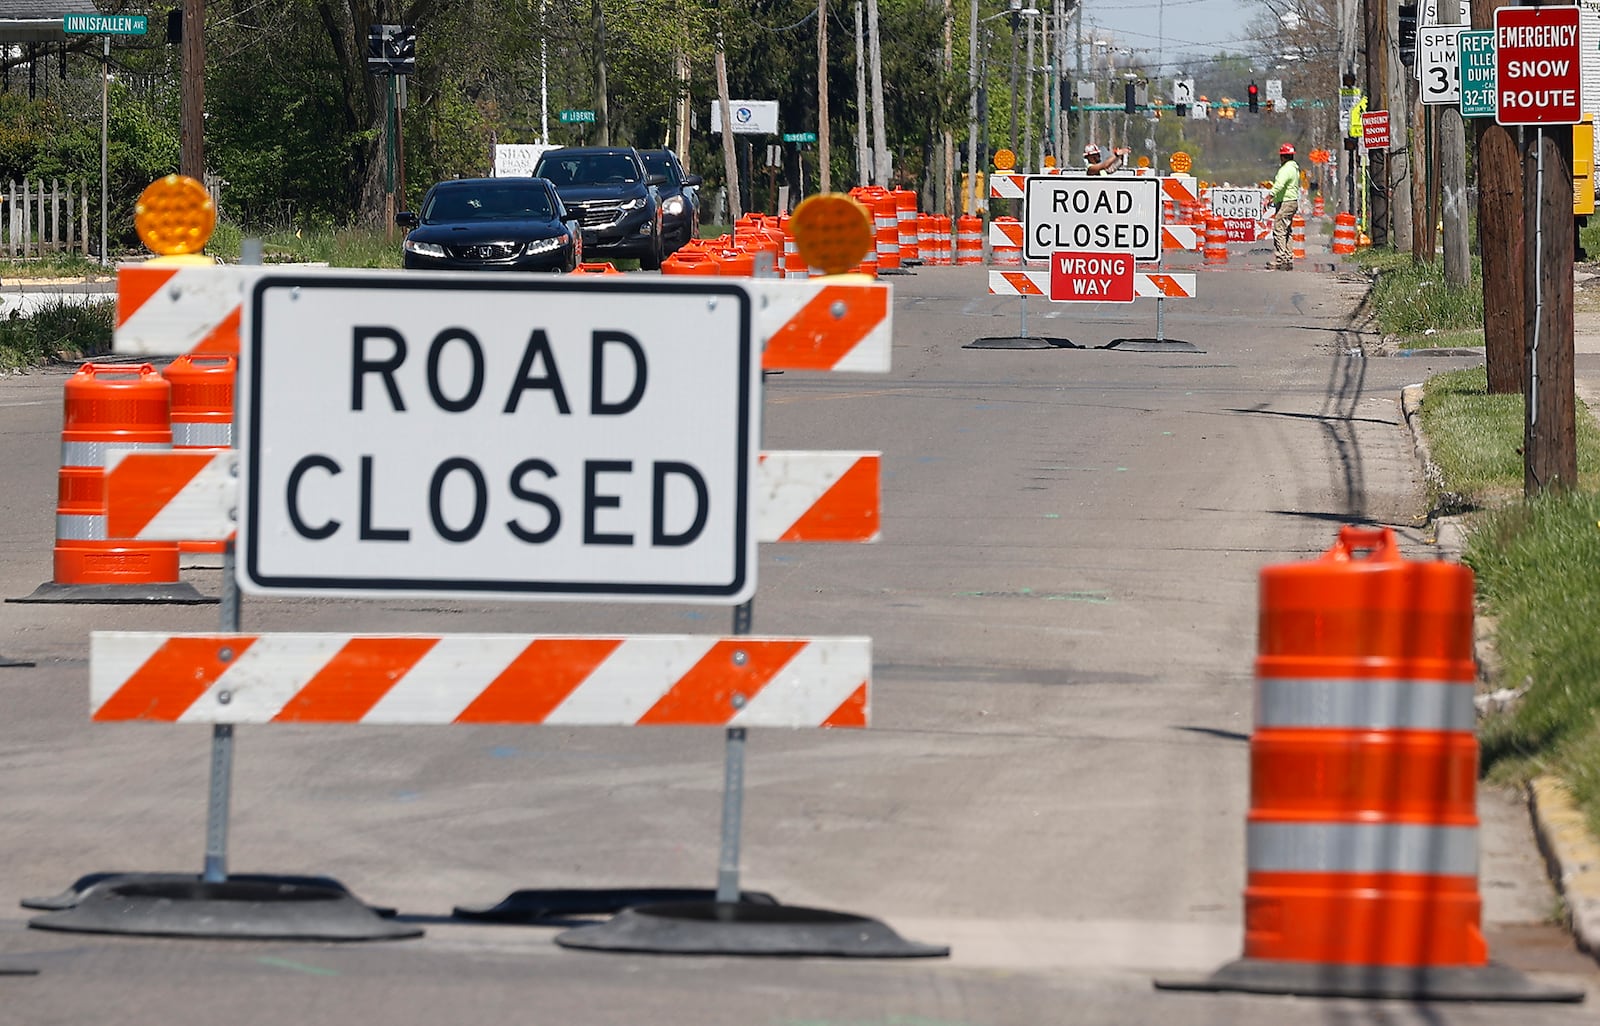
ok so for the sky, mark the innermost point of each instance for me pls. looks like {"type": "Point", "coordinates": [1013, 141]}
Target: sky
{"type": "Point", "coordinates": [1171, 28]}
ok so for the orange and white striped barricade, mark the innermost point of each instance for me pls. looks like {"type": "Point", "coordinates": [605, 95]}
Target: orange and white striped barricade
{"type": "Point", "coordinates": [749, 325]}
{"type": "Point", "coordinates": [1146, 284]}
{"type": "Point", "coordinates": [1006, 186]}
{"type": "Point", "coordinates": [106, 406]}
{"type": "Point", "coordinates": [167, 310]}
{"type": "Point", "coordinates": [1005, 242]}
{"type": "Point", "coordinates": [1362, 840]}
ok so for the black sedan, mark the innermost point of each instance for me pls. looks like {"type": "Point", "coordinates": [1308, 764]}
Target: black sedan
{"type": "Point", "coordinates": [488, 224]}
{"type": "Point", "coordinates": [680, 199]}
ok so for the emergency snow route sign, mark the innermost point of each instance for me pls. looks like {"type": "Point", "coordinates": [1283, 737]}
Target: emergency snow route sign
{"type": "Point", "coordinates": [1091, 213]}
{"type": "Point", "coordinates": [490, 436]}
{"type": "Point", "coordinates": [1538, 66]}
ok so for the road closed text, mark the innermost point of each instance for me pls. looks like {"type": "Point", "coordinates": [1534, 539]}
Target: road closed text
{"type": "Point", "coordinates": [501, 440]}
{"type": "Point", "coordinates": [1090, 213]}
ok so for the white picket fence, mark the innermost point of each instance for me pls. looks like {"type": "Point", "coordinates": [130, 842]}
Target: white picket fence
{"type": "Point", "coordinates": [40, 218]}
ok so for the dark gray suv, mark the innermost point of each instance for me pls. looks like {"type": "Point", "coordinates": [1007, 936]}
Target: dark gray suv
{"type": "Point", "coordinates": [612, 197]}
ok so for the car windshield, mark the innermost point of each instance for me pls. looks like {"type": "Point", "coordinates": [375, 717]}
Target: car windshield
{"type": "Point", "coordinates": [658, 164]}
{"type": "Point", "coordinates": [589, 169]}
{"type": "Point", "coordinates": [488, 203]}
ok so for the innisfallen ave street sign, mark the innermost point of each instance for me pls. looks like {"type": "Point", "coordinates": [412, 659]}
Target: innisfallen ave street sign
{"type": "Point", "coordinates": [1093, 214]}
{"type": "Point", "coordinates": [1538, 67]}
{"type": "Point", "coordinates": [486, 436]}
{"type": "Point", "coordinates": [105, 24]}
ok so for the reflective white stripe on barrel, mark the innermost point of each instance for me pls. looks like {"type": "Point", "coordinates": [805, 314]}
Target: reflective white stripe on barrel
{"type": "Point", "coordinates": [93, 454]}
{"type": "Point", "coordinates": [1371, 704]}
{"type": "Point", "coordinates": [80, 527]}
{"type": "Point", "coordinates": [1361, 848]}
{"type": "Point", "coordinates": [202, 434]}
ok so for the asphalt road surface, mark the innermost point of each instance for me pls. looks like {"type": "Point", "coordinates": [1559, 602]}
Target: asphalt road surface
{"type": "Point", "coordinates": [1055, 782]}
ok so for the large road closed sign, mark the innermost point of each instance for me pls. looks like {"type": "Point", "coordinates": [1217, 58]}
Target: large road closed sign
{"type": "Point", "coordinates": [1538, 67]}
{"type": "Point", "coordinates": [494, 436]}
{"type": "Point", "coordinates": [1091, 213]}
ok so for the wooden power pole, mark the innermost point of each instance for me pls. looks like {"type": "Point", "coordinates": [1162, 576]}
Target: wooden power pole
{"type": "Point", "coordinates": [1549, 437]}
{"type": "Point", "coordinates": [192, 158]}
{"type": "Point", "coordinates": [729, 162]}
{"type": "Point", "coordinates": [1453, 178]}
{"type": "Point", "coordinates": [1500, 239]}
{"type": "Point", "coordinates": [824, 182]}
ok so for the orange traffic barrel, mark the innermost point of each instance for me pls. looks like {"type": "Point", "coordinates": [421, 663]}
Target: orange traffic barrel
{"type": "Point", "coordinates": [105, 407]}
{"type": "Point", "coordinates": [737, 262]}
{"type": "Point", "coordinates": [905, 207]}
{"type": "Point", "coordinates": [943, 241]}
{"type": "Point", "coordinates": [600, 267]}
{"type": "Point", "coordinates": [1361, 846]}
{"type": "Point", "coordinates": [927, 232]}
{"type": "Point", "coordinates": [1297, 234]}
{"type": "Point", "coordinates": [1318, 208]}
{"type": "Point", "coordinates": [202, 418]}
{"type": "Point", "coordinates": [1008, 253]}
{"type": "Point", "coordinates": [1344, 234]}
{"type": "Point", "coordinates": [886, 227]}
{"type": "Point", "coordinates": [969, 240]}
{"type": "Point", "coordinates": [1216, 241]}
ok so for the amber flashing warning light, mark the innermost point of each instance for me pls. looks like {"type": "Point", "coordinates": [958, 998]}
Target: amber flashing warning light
{"type": "Point", "coordinates": [832, 231]}
{"type": "Point", "coordinates": [175, 215]}
{"type": "Point", "coordinates": [1004, 160]}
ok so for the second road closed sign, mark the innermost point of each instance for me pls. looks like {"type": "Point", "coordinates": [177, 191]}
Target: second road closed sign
{"type": "Point", "coordinates": [484, 436]}
{"type": "Point", "coordinates": [1091, 213]}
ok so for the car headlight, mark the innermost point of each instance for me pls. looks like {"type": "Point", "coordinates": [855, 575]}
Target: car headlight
{"type": "Point", "coordinates": [538, 246]}
{"type": "Point", "coordinates": [634, 204]}
{"type": "Point", "coordinates": [426, 249]}
{"type": "Point", "coordinates": [673, 206]}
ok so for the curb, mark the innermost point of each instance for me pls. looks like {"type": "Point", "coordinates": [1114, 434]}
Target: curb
{"type": "Point", "coordinates": [1571, 853]}
{"type": "Point", "coordinates": [1572, 856]}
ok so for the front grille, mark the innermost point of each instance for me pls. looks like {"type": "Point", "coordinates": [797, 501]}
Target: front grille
{"type": "Point", "coordinates": [598, 213]}
{"type": "Point", "coordinates": [483, 251]}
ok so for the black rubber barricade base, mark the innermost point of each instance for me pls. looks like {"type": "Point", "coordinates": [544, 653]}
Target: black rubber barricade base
{"type": "Point", "coordinates": [1439, 983]}
{"type": "Point", "coordinates": [740, 928]}
{"type": "Point", "coordinates": [1152, 345]}
{"type": "Point", "coordinates": [6, 969]}
{"type": "Point", "coordinates": [176, 594]}
{"type": "Point", "coordinates": [224, 911]}
{"type": "Point", "coordinates": [90, 882]}
{"type": "Point", "coordinates": [1021, 342]}
{"type": "Point", "coordinates": [6, 660]}
{"type": "Point", "coordinates": [531, 906]}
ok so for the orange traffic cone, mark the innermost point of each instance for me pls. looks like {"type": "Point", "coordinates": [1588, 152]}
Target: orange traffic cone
{"type": "Point", "coordinates": [1362, 841]}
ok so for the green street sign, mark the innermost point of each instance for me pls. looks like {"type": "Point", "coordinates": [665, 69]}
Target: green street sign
{"type": "Point", "coordinates": [105, 24]}
{"type": "Point", "coordinates": [575, 117]}
{"type": "Point", "coordinates": [1477, 73]}
{"type": "Point", "coordinates": [799, 137]}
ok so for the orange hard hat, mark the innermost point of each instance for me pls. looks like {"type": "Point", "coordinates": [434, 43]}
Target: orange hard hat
{"type": "Point", "coordinates": [1286, 150]}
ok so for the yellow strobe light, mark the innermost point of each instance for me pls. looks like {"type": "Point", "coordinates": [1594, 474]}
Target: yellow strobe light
{"type": "Point", "coordinates": [174, 215]}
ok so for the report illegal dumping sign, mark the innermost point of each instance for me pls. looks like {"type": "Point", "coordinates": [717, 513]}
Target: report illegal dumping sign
{"type": "Point", "coordinates": [483, 436]}
{"type": "Point", "coordinates": [1538, 66]}
{"type": "Point", "coordinates": [1090, 213]}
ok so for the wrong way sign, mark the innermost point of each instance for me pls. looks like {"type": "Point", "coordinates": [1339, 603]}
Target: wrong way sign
{"type": "Point", "coordinates": [493, 437]}
{"type": "Point", "coordinates": [1090, 213]}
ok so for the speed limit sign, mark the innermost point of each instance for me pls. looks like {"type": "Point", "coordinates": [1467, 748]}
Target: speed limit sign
{"type": "Point", "coordinates": [1439, 61]}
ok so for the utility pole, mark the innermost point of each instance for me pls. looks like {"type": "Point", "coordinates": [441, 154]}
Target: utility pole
{"type": "Point", "coordinates": [192, 159]}
{"type": "Point", "coordinates": [602, 114]}
{"type": "Point", "coordinates": [1028, 163]}
{"type": "Point", "coordinates": [946, 202]}
{"type": "Point", "coordinates": [1016, 23]}
{"type": "Point", "coordinates": [824, 183]}
{"type": "Point", "coordinates": [1500, 239]}
{"type": "Point", "coordinates": [730, 162]}
{"type": "Point", "coordinates": [1376, 32]}
{"type": "Point", "coordinates": [880, 143]}
{"type": "Point", "coordinates": [1396, 78]}
{"type": "Point", "coordinates": [1453, 178]}
{"type": "Point", "coordinates": [969, 198]}
{"type": "Point", "coordinates": [864, 164]}
{"type": "Point", "coordinates": [1550, 455]}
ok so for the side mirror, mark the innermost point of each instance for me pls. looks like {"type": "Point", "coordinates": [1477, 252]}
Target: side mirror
{"type": "Point", "coordinates": [406, 219]}
{"type": "Point", "coordinates": [657, 179]}
{"type": "Point", "coordinates": [692, 181]}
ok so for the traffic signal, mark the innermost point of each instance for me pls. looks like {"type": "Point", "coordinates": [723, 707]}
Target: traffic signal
{"type": "Point", "coordinates": [1255, 98]}
{"type": "Point", "coordinates": [1128, 99]}
{"type": "Point", "coordinates": [1181, 109]}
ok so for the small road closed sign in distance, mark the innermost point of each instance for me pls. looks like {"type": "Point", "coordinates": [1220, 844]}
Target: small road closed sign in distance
{"type": "Point", "coordinates": [1538, 66]}
{"type": "Point", "coordinates": [485, 437]}
{"type": "Point", "coordinates": [1089, 213]}
{"type": "Point", "coordinates": [1091, 277]}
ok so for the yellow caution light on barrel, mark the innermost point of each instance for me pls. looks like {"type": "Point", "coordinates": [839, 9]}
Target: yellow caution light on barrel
{"type": "Point", "coordinates": [832, 231]}
{"type": "Point", "coordinates": [175, 216]}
